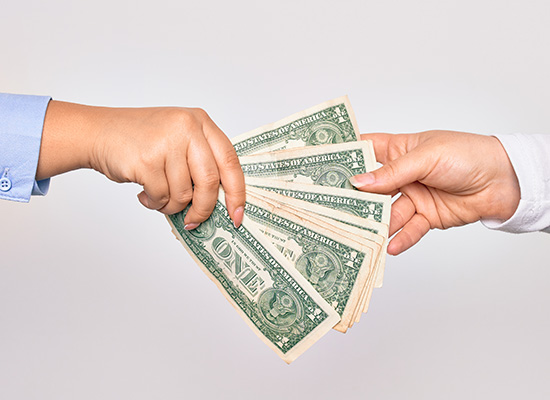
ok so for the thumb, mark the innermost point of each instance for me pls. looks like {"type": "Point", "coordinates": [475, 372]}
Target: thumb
{"type": "Point", "coordinates": [393, 175]}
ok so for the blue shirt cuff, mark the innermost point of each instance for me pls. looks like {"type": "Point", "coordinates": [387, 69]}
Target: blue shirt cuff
{"type": "Point", "coordinates": [21, 125]}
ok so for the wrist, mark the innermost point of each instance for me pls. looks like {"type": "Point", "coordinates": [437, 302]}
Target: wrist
{"type": "Point", "coordinates": [67, 139]}
{"type": "Point", "coordinates": [506, 190]}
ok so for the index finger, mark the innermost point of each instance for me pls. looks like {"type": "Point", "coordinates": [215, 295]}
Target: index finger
{"type": "Point", "coordinates": [229, 167]}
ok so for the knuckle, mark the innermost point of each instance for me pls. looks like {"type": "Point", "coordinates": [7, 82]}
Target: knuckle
{"type": "Point", "coordinates": [171, 208]}
{"type": "Point", "coordinates": [127, 173]}
{"type": "Point", "coordinates": [182, 120]}
{"type": "Point", "coordinates": [389, 172]}
{"type": "Point", "coordinates": [151, 156]}
{"type": "Point", "coordinates": [407, 239]}
{"type": "Point", "coordinates": [239, 192]}
{"type": "Point", "coordinates": [184, 196]}
{"type": "Point", "coordinates": [397, 217]}
{"type": "Point", "coordinates": [188, 121]}
{"type": "Point", "coordinates": [209, 181]}
{"type": "Point", "coordinates": [230, 160]}
{"type": "Point", "coordinates": [200, 113]}
{"type": "Point", "coordinates": [202, 213]}
{"type": "Point", "coordinates": [148, 160]}
{"type": "Point", "coordinates": [428, 221]}
{"type": "Point", "coordinates": [161, 199]}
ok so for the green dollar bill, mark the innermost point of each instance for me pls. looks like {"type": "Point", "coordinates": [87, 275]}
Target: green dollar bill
{"type": "Point", "coordinates": [374, 231]}
{"type": "Point", "coordinates": [335, 265]}
{"type": "Point", "coordinates": [375, 207]}
{"type": "Point", "coordinates": [355, 228]}
{"type": "Point", "coordinates": [327, 165]}
{"type": "Point", "coordinates": [369, 206]}
{"type": "Point", "coordinates": [281, 307]}
{"type": "Point", "coordinates": [329, 122]}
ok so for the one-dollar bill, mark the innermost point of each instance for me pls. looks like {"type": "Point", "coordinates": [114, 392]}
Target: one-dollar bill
{"type": "Point", "coordinates": [273, 298]}
{"type": "Point", "coordinates": [368, 206]}
{"type": "Point", "coordinates": [335, 265]}
{"type": "Point", "coordinates": [326, 165]}
{"type": "Point", "coordinates": [374, 207]}
{"type": "Point", "coordinates": [329, 122]}
{"type": "Point", "coordinates": [340, 224]}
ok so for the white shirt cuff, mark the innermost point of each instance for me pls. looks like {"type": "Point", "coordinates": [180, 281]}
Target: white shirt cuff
{"type": "Point", "coordinates": [530, 158]}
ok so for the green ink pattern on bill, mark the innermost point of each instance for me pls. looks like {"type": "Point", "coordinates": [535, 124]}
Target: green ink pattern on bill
{"type": "Point", "coordinates": [328, 264]}
{"type": "Point", "coordinates": [375, 207]}
{"type": "Point", "coordinates": [361, 230]}
{"type": "Point", "coordinates": [275, 300]}
{"type": "Point", "coordinates": [336, 266]}
{"type": "Point", "coordinates": [367, 206]}
{"type": "Point", "coordinates": [330, 122]}
{"type": "Point", "coordinates": [328, 165]}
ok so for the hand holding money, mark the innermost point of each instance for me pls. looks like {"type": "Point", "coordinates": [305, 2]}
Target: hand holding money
{"type": "Point", "coordinates": [447, 179]}
{"type": "Point", "coordinates": [311, 249]}
{"type": "Point", "coordinates": [165, 150]}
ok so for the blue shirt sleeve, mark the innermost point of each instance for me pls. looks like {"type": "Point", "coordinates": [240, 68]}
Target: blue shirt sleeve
{"type": "Point", "coordinates": [21, 125]}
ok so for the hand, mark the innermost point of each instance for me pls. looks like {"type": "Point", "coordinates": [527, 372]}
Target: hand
{"type": "Point", "coordinates": [176, 154]}
{"type": "Point", "coordinates": [445, 179]}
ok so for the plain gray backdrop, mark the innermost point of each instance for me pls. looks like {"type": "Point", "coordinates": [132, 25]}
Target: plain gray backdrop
{"type": "Point", "coordinates": [97, 299]}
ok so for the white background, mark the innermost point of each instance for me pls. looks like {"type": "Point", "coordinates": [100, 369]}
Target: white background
{"type": "Point", "coordinates": [97, 299]}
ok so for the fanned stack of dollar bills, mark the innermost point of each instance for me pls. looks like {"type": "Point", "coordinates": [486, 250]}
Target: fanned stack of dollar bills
{"type": "Point", "coordinates": [311, 249]}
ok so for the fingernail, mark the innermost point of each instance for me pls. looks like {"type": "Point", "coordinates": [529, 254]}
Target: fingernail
{"type": "Point", "coordinates": [144, 199]}
{"type": "Point", "coordinates": [190, 226]}
{"type": "Point", "coordinates": [238, 215]}
{"type": "Point", "coordinates": [362, 180]}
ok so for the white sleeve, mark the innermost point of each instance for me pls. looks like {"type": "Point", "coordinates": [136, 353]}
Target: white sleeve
{"type": "Point", "coordinates": [530, 157]}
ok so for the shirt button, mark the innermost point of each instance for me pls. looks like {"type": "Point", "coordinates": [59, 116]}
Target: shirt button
{"type": "Point", "coordinates": [5, 184]}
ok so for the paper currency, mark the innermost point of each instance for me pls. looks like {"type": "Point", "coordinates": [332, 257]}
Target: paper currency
{"type": "Point", "coordinates": [374, 207]}
{"type": "Point", "coordinates": [311, 248]}
{"type": "Point", "coordinates": [326, 165]}
{"type": "Point", "coordinates": [369, 207]}
{"type": "Point", "coordinates": [327, 123]}
{"type": "Point", "coordinates": [337, 266]}
{"type": "Point", "coordinates": [358, 229]}
{"type": "Point", "coordinates": [271, 296]}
